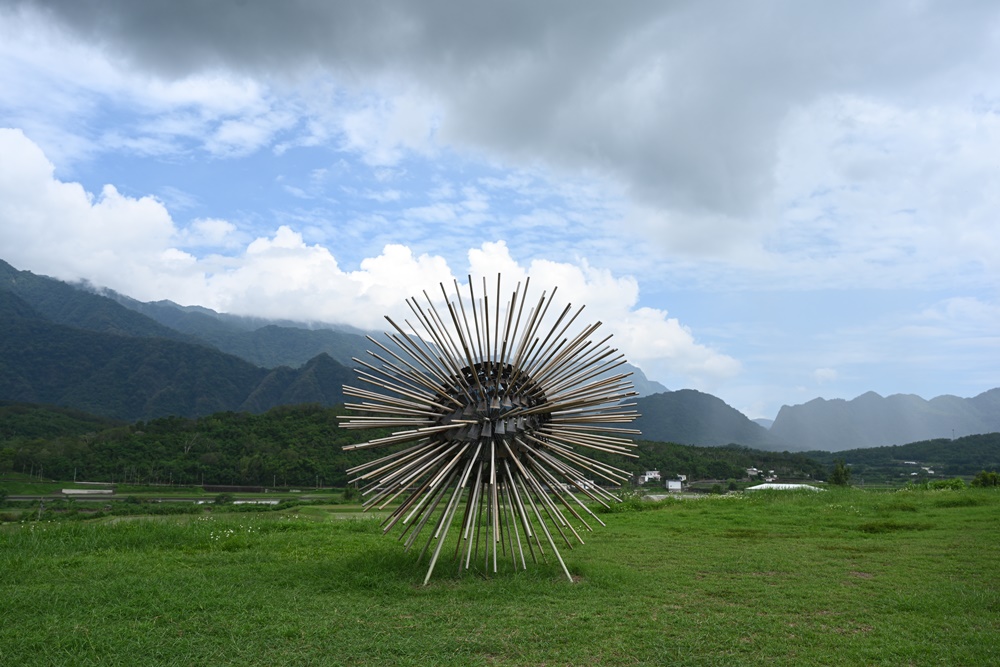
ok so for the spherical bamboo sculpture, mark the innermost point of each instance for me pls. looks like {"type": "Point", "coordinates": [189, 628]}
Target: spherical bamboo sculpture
{"type": "Point", "coordinates": [494, 406]}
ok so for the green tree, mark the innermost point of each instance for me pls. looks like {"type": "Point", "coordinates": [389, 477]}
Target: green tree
{"type": "Point", "coordinates": [7, 459]}
{"type": "Point", "coordinates": [984, 479]}
{"type": "Point", "coordinates": [841, 475]}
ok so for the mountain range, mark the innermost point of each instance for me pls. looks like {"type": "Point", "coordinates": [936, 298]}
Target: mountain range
{"type": "Point", "coordinates": [79, 346]}
{"type": "Point", "coordinates": [871, 420]}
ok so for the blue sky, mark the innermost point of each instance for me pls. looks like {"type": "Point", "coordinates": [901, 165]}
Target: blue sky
{"type": "Point", "coordinates": [768, 201]}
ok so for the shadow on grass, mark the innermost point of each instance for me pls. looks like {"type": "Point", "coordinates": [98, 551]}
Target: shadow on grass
{"type": "Point", "coordinates": [891, 526]}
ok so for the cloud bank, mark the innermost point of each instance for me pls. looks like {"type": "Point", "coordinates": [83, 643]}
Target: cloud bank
{"type": "Point", "coordinates": [133, 246]}
{"type": "Point", "coordinates": [697, 127]}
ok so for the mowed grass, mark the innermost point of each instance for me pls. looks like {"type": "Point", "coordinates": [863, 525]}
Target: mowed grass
{"type": "Point", "coordinates": [836, 578]}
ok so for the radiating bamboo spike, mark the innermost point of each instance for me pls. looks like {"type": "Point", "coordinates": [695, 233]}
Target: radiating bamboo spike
{"type": "Point", "coordinates": [401, 436]}
{"type": "Point", "coordinates": [605, 472]}
{"type": "Point", "coordinates": [558, 519]}
{"type": "Point", "coordinates": [383, 399]}
{"type": "Point", "coordinates": [496, 325]}
{"type": "Point", "coordinates": [569, 346]}
{"type": "Point", "coordinates": [417, 354]}
{"type": "Point", "coordinates": [534, 315]}
{"type": "Point", "coordinates": [561, 493]}
{"type": "Point", "coordinates": [476, 521]}
{"type": "Point", "coordinates": [475, 318]}
{"type": "Point", "coordinates": [465, 348]}
{"type": "Point", "coordinates": [389, 457]}
{"type": "Point", "coordinates": [418, 496]}
{"type": "Point", "coordinates": [504, 400]}
{"type": "Point", "coordinates": [435, 317]}
{"type": "Point", "coordinates": [431, 394]}
{"type": "Point", "coordinates": [469, 509]}
{"type": "Point", "coordinates": [517, 497]}
{"type": "Point", "coordinates": [542, 349]}
{"type": "Point", "coordinates": [398, 467]}
{"type": "Point", "coordinates": [613, 443]}
{"type": "Point", "coordinates": [508, 323]}
{"type": "Point", "coordinates": [389, 480]}
{"type": "Point", "coordinates": [531, 536]}
{"type": "Point", "coordinates": [392, 373]}
{"type": "Point", "coordinates": [511, 519]}
{"type": "Point", "coordinates": [587, 371]}
{"type": "Point", "coordinates": [412, 373]}
{"type": "Point", "coordinates": [427, 514]}
{"type": "Point", "coordinates": [444, 354]}
{"type": "Point", "coordinates": [417, 470]}
{"type": "Point", "coordinates": [565, 355]}
{"type": "Point", "coordinates": [504, 525]}
{"type": "Point", "coordinates": [552, 543]}
{"type": "Point", "coordinates": [439, 358]}
{"type": "Point", "coordinates": [401, 488]}
{"type": "Point", "coordinates": [486, 321]}
{"type": "Point", "coordinates": [465, 318]}
{"type": "Point", "coordinates": [520, 309]}
{"type": "Point", "coordinates": [446, 519]}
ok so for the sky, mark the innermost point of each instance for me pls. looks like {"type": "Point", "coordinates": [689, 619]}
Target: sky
{"type": "Point", "coordinates": [768, 201]}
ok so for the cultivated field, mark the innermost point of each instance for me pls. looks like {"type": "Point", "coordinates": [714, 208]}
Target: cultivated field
{"type": "Point", "coordinates": [844, 577]}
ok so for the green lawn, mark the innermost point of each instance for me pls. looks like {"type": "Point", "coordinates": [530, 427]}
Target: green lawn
{"type": "Point", "coordinates": [837, 578]}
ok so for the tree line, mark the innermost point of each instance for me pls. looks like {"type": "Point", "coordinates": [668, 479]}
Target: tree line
{"type": "Point", "coordinates": [298, 445]}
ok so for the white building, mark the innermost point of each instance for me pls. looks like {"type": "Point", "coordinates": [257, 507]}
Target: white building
{"type": "Point", "coordinates": [649, 476]}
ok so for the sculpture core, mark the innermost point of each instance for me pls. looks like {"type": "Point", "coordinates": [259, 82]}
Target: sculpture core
{"type": "Point", "coordinates": [493, 406]}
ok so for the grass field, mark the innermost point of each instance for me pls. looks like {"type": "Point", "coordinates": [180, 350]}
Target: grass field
{"type": "Point", "coordinates": [837, 578]}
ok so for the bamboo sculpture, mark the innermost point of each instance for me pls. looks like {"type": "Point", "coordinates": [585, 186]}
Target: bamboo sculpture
{"type": "Point", "coordinates": [494, 406]}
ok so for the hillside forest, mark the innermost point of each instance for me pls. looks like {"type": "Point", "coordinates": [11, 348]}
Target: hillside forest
{"type": "Point", "coordinates": [286, 446]}
{"type": "Point", "coordinates": [302, 446]}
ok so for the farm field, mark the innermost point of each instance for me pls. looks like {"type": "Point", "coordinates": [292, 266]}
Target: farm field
{"type": "Point", "coordinates": [843, 577]}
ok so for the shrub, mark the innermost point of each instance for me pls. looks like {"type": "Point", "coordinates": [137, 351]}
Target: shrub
{"type": "Point", "coordinates": [956, 484]}
{"type": "Point", "coordinates": [985, 479]}
{"type": "Point", "coordinates": [841, 475]}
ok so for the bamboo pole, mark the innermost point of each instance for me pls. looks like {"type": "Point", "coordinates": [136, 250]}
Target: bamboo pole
{"type": "Point", "coordinates": [504, 400]}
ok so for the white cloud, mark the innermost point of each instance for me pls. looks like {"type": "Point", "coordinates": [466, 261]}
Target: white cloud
{"type": "Point", "coordinates": [59, 228]}
{"type": "Point", "coordinates": [659, 344]}
{"type": "Point", "coordinates": [822, 375]}
{"type": "Point", "coordinates": [208, 232]}
{"type": "Point", "coordinates": [129, 245]}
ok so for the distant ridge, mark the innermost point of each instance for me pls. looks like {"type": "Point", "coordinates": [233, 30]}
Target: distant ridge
{"type": "Point", "coordinates": [692, 417]}
{"type": "Point", "coordinates": [871, 420]}
{"type": "Point", "coordinates": [273, 343]}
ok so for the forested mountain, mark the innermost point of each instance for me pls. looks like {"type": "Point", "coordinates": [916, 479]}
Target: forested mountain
{"type": "Point", "coordinates": [78, 346]}
{"type": "Point", "coordinates": [29, 421]}
{"type": "Point", "coordinates": [944, 456]}
{"type": "Point", "coordinates": [271, 343]}
{"type": "Point", "coordinates": [266, 343]}
{"type": "Point", "coordinates": [871, 420]}
{"type": "Point", "coordinates": [61, 303]}
{"type": "Point", "coordinates": [130, 377]}
{"type": "Point", "coordinates": [695, 418]}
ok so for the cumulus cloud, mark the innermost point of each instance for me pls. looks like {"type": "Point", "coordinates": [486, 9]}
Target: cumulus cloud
{"type": "Point", "coordinates": [657, 343]}
{"type": "Point", "coordinates": [60, 228]}
{"type": "Point", "coordinates": [134, 246]}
